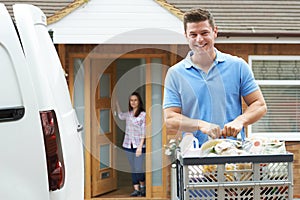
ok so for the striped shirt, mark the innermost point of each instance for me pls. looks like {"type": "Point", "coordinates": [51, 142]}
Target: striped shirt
{"type": "Point", "coordinates": [135, 128]}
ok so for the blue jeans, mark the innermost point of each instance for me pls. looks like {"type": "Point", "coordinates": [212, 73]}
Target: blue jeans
{"type": "Point", "coordinates": [137, 165]}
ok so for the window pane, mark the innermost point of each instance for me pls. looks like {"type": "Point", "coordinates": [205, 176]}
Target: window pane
{"type": "Point", "coordinates": [79, 92]}
{"type": "Point", "coordinates": [104, 121]}
{"type": "Point", "coordinates": [283, 114]}
{"type": "Point", "coordinates": [104, 156]}
{"type": "Point", "coordinates": [105, 85]}
{"type": "Point", "coordinates": [79, 88]}
{"type": "Point", "coordinates": [156, 120]}
{"type": "Point", "coordinates": [276, 69]}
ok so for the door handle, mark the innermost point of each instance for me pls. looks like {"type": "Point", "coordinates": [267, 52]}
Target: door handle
{"type": "Point", "coordinates": [79, 128]}
{"type": "Point", "coordinates": [11, 114]}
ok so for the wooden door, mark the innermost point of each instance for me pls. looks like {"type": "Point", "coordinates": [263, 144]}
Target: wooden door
{"type": "Point", "coordinates": [104, 177]}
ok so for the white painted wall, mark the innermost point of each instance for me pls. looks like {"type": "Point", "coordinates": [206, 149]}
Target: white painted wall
{"type": "Point", "coordinates": [119, 22]}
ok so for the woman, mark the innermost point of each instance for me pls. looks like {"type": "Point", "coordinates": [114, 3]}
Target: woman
{"type": "Point", "coordinates": [134, 141]}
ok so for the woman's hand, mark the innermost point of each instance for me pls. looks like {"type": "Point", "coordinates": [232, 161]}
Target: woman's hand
{"type": "Point", "coordinates": [138, 152]}
{"type": "Point", "coordinates": [118, 106]}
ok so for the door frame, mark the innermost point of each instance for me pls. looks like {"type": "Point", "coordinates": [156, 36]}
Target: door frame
{"type": "Point", "coordinates": [152, 191]}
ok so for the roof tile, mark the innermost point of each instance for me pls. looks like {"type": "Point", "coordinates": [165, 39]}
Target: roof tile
{"type": "Point", "coordinates": [245, 16]}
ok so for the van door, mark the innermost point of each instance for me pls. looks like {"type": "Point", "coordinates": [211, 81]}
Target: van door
{"type": "Point", "coordinates": [52, 94]}
{"type": "Point", "coordinates": [23, 168]}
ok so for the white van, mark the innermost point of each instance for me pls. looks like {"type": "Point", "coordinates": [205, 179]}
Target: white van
{"type": "Point", "coordinates": [41, 155]}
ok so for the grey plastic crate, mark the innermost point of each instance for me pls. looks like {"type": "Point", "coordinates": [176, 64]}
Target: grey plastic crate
{"type": "Point", "coordinates": [251, 177]}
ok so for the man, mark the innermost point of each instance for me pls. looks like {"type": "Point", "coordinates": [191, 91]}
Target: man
{"type": "Point", "coordinates": [203, 91]}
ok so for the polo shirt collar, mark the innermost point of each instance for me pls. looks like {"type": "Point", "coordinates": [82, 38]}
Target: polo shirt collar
{"type": "Point", "coordinates": [189, 63]}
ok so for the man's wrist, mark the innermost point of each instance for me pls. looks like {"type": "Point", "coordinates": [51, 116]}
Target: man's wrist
{"type": "Point", "coordinates": [243, 120]}
{"type": "Point", "coordinates": [200, 124]}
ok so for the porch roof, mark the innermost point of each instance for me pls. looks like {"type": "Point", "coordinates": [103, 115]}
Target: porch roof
{"type": "Point", "coordinates": [53, 9]}
{"type": "Point", "coordinates": [119, 22]}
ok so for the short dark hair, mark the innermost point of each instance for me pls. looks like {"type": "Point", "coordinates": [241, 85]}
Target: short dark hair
{"type": "Point", "coordinates": [198, 15]}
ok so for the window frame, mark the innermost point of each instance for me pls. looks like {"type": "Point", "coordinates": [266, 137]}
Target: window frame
{"type": "Point", "coordinates": [287, 136]}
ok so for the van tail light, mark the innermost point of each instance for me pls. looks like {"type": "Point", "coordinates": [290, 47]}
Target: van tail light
{"type": "Point", "coordinates": [55, 162]}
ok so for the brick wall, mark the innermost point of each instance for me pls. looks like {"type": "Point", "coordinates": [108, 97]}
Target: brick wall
{"type": "Point", "coordinates": [294, 147]}
{"type": "Point", "coordinates": [244, 50]}
{"type": "Point", "coordinates": [241, 50]}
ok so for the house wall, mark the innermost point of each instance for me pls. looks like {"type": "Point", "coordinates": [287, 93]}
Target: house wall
{"type": "Point", "coordinates": [244, 50]}
{"type": "Point", "coordinates": [176, 53]}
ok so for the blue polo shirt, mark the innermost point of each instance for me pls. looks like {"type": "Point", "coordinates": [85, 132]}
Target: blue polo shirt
{"type": "Point", "coordinates": [215, 96]}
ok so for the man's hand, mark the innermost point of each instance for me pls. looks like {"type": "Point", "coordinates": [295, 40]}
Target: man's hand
{"type": "Point", "coordinates": [212, 130]}
{"type": "Point", "coordinates": [232, 128]}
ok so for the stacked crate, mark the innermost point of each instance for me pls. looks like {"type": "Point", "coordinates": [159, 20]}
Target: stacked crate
{"type": "Point", "coordinates": [235, 177]}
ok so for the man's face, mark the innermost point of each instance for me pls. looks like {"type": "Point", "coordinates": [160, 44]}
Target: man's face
{"type": "Point", "coordinates": [201, 36]}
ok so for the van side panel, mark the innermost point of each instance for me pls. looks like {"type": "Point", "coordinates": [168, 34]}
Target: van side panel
{"type": "Point", "coordinates": [9, 79]}
{"type": "Point", "coordinates": [23, 173]}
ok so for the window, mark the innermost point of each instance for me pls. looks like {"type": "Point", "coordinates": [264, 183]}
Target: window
{"type": "Point", "coordinates": [279, 80]}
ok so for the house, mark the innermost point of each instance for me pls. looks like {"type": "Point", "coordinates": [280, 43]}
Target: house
{"type": "Point", "coordinates": [110, 48]}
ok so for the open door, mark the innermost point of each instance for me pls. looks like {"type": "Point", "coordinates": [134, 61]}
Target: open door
{"type": "Point", "coordinates": [104, 177]}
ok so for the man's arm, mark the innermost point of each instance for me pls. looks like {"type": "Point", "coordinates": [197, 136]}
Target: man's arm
{"type": "Point", "coordinates": [256, 109]}
{"type": "Point", "coordinates": [176, 121]}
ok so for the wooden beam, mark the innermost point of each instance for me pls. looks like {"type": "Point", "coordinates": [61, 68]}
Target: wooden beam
{"type": "Point", "coordinates": [148, 131]}
{"type": "Point", "coordinates": [173, 56]}
{"type": "Point", "coordinates": [87, 128]}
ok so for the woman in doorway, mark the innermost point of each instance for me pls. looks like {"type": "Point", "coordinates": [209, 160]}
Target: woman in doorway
{"type": "Point", "coordinates": [134, 141]}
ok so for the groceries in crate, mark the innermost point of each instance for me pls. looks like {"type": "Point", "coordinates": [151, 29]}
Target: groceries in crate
{"type": "Point", "coordinates": [237, 147]}
{"type": "Point", "coordinates": [171, 147]}
{"type": "Point", "coordinates": [223, 147]}
{"type": "Point", "coordinates": [232, 171]}
{"type": "Point", "coordinates": [230, 147]}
